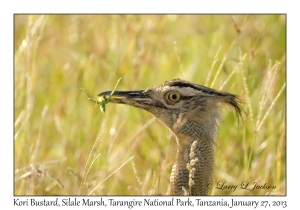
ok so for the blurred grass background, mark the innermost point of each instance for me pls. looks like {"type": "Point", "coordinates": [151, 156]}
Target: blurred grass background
{"type": "Point", "coordinates": [64, 145]}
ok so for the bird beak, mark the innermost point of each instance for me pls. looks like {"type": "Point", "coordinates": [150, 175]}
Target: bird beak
{"type": "Point", "coordinates": [135, 98]}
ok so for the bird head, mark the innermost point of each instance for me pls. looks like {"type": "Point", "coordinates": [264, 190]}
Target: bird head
{"type": "Point", "coordinates": [187, 109]}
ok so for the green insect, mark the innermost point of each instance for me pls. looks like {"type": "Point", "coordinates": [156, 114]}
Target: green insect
{"type": "Point", "coordinates": [102, 100]}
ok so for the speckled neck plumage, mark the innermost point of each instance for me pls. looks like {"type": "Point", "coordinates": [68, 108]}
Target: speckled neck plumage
{"type": "Point", "coordinates": [194, 163]}
{"type": "Point", "coordinates": [200, 158]}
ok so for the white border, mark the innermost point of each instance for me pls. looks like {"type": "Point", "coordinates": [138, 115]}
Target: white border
{"type": "Point", "coordinates": [8, 8]}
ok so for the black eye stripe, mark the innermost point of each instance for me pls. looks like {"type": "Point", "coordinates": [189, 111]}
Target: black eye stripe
{"type": "Point", "coordinates": [179, 84]}
{"type": "Point", "coordinates": [186, 97]}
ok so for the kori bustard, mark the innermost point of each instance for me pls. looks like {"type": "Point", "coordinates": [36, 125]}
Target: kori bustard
{"type": "Point", "coordinates": [192, 113]}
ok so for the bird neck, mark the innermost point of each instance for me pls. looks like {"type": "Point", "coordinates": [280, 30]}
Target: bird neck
{"type": "Point", "coordinates": [193, 168]}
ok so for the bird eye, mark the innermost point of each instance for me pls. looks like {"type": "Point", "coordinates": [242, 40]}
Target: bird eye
{"type": "Point", "coordinates": [173, 96]}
